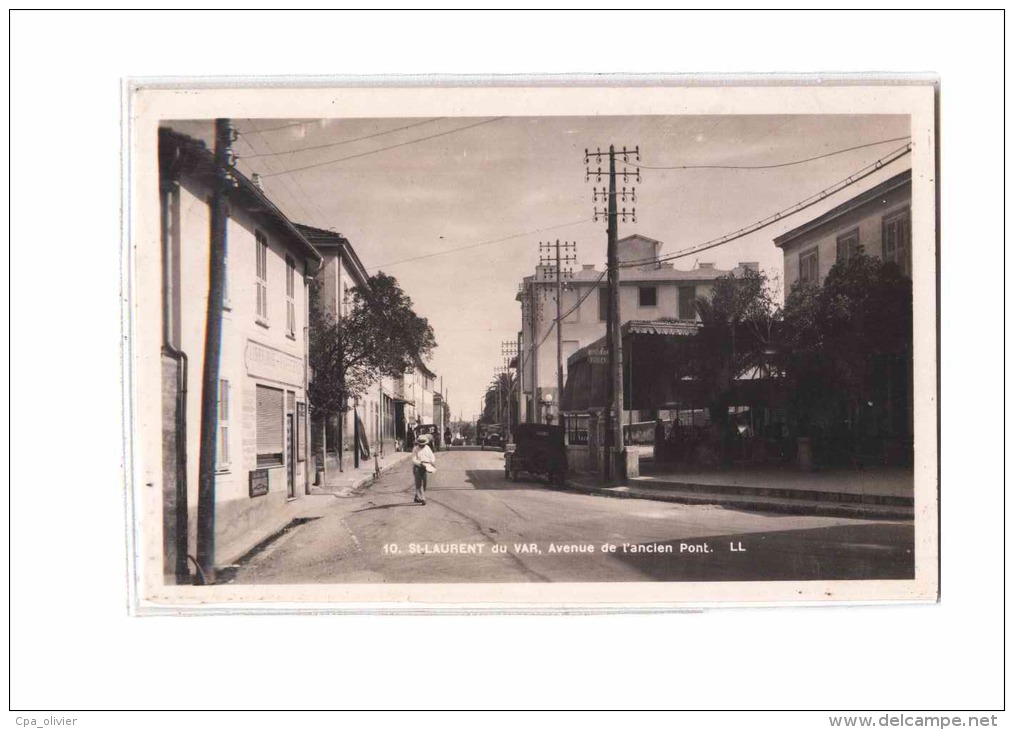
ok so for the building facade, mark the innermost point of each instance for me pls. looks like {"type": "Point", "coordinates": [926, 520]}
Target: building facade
{"type": "Point", "coordinates": [388, 406]}
{"type": "Point", "coordinates": [648, 291]}
{"type": "Point", "coordinates": [261, 424]}
{"type": "Point", "coordinates": [878, 220]}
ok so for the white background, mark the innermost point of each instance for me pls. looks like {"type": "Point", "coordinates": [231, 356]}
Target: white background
{"type": "Point", "coordinates": [74, 648]}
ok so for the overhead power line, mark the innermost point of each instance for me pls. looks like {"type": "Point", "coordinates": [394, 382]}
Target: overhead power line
{"type": "Point", "coordinates": [481, 243]}
{"type": "Point", "coordinates": [344, 141]}
{"type": "Point", "coordinates": [384, 149]}
{"type": "Point", "coordinates": [773, 166]}
{"type": "Point", "coordinates": [283, 126]}
{"type": "Point", "coordinates": [774, 218]}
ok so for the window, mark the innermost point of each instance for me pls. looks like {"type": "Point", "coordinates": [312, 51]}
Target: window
{"type": "Point", "coordinates": [290, 297]}
{"type": "Point", "coordinates": [647, 296]}
{"type": "Point", "coordinates": [897, 236]}
{"type": "Point", "coordinates": [848, 245]}
{"type": "Point", "coordinates": [808, 271]}
{"type": "Point", "coordinates": [269, 426]}
{"type": "Point", "coordinates": [262, 277]}
{"type": "Point", "coordinates": [222, 447]}
{"type": "Point", "coordinates": [688, 302]}
{"type": "Point", "coordinates": [603, 304]}
{"type": "Point", "coordinates": [301, 432]}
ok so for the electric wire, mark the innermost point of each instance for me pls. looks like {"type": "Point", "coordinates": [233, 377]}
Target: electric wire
{"type": "Point", "coordinates": [476, 245]}
{"type": "Point", "coordinates": [283, 126]}
{"type": "Point", "coordinates": [774, 218]}
{"type": "Point", "coordinates": [345, 141]}
{"type": "Point", "coordinates": [320, 219]}
{"type": "Point", "coordinates": [772, 166]}
{"type": "Point", "coordinates": [384, 149]}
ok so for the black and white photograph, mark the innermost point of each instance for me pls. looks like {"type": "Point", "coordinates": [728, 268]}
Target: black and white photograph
{"type": "Point", "coordinates": [534, 360]}
{"type": "Point", "coordinates": [652, 349]}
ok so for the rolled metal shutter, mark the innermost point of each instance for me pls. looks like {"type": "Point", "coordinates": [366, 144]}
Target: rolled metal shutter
{"type": "Point", "coordinates": [269, 425]}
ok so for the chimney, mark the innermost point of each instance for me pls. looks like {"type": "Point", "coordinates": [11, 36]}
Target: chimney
{"type": "Point", "coordinates": [256, 180]}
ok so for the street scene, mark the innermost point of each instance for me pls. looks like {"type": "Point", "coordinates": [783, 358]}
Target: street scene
{"type": "Point", "coordinates": [548, 534]}
{"type": "Point", "coordinates": [535, 349]}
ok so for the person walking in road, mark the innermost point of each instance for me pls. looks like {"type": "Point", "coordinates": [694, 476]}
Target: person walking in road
{"type": "Point", "coordinates": [424, 462]}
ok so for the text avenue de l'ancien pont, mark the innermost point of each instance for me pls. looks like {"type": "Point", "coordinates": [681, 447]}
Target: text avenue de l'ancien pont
{"type": "Point", "coordinates": [554, 548]}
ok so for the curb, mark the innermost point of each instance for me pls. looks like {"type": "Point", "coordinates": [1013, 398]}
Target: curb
{"type": "Point", "coordinates": [800, 507]}
{"type": "Point", "coordinates": [365, 481]}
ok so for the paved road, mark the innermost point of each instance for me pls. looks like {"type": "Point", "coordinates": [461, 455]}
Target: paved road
{"type": "Point", "coordinates": [473, 513]}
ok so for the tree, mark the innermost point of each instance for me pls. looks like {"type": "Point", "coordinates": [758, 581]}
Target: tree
{"type": "Point", "coordinates": [736, 333]}
{"type": "Point", "coordinates": [379, 334]}
{"type": "Point", "coordinates": [502, 395]}
{"type": "Point", "coordinates": [840, 336]}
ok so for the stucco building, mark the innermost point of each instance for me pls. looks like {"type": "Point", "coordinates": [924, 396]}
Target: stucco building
{"type": "Point", "coordinates": [262, 448]}
{"type": "Point", "coordinates": [878, 220]}
{"type": "Point", "coordinates": [649, 291]}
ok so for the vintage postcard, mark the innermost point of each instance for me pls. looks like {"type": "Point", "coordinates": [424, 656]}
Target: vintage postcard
{"type": "Point", "coordinates": [447, 346]}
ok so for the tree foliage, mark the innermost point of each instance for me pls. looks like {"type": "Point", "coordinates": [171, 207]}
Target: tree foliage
{"type": "Point", "coordinates": [834, 334]}
{"type": "Point", "coordinates": [736, 334]}
{"type": "Point", "coordinates": [378, 335]}
{"type": "Point", "coordinates": [503, 394]}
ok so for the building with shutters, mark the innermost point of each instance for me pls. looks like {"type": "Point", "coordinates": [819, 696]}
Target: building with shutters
{"type": "Point", "coordinates": [649, 291]}
{"type": "Point", "coordinates": [342, 271]}
{"type": "Point", "coordinates": [387, 406]}
{"type": "Point", "coordinates": [878, 220]}
{"type": "Point", "coordinates": [262, 448]}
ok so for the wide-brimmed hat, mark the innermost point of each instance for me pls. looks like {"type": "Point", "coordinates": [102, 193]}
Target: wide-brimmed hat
{"type": "Point", "coordinates": [423, 439]}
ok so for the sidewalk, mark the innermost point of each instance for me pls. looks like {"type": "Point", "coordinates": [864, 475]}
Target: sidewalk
{"type": "Point", "coordinates": [344, 483]}
{"type": "Point", "coordinates": [874, 493]}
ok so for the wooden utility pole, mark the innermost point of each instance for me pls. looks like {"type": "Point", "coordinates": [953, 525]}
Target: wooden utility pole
{"type": "Point", "coordinates": [613, 470]}
{"type": "Point", "coordinates": [224, 181]}
{"type": "Point", "coordinates": [533, 303]}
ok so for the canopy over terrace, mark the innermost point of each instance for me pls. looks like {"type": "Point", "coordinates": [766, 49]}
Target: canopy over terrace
{"type": "Point", "coordinates": [656, 369]}
{"type": "Point", "coordinates": [659, 360]}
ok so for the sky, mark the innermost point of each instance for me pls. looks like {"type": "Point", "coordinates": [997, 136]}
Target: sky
{"type": "Point", "coordinates": [406, 209]}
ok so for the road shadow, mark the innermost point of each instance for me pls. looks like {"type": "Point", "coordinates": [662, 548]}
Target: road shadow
{"type": "Point", "coordinates": [385, 506]}
{"type": "Point", "coordinates": [843, 552]}
{"type": "Point", "coordinates": [494, 479]}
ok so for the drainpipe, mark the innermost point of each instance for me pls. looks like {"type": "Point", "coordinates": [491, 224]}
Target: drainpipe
{"type": "Point", "coordinates": [180, 532]}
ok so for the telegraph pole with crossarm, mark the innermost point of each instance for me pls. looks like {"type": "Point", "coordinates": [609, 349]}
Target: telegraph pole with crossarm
{"type": "Point", "coordinates": [614, 469]}
{"type": "Point", "coordinates": [569, 256]}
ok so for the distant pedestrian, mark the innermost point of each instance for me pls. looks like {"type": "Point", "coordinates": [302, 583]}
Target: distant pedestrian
{"type": "Point", "coordinates": [409, 438]}
{"type": "Point", "coordinates": [447, 438]}
{"type": "Point", "coordinates": [424, 462]}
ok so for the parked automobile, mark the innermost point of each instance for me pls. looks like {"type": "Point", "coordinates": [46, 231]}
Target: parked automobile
{"type": "Point", "coordinates": [458, 440]}
{"type": "Point", "coordinates": [493, 439]}
{"type": "Point", "coordinates": [431, 430]}
{"type": "Point", "coordinates": [539, 450]}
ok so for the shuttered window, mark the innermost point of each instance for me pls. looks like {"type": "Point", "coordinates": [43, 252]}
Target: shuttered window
{"type": "Point", "coordinates": [301, 432]}
{"type": "Point", "coordinates": [809, 273]}
{"type": "Point", "coordinates": [262, 276]}
{"type": "Point", "coordinates": [847, 245]}
{"type": "Point", "coordinates": [897, 234]}
{"type": "Point", "coordinates": [290, 296]}
{"type": "Point", "coordinates": [269, 426]}
{"type": "Point", "coordinates": [222, 447]}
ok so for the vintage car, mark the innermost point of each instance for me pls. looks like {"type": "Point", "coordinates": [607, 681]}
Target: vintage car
{"type": "Point", "coordinates": [539, 450]}
{"type": "Point", "coordinates": [490, 436]}
{"type": "Point", "coordinates": [431, 430]}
